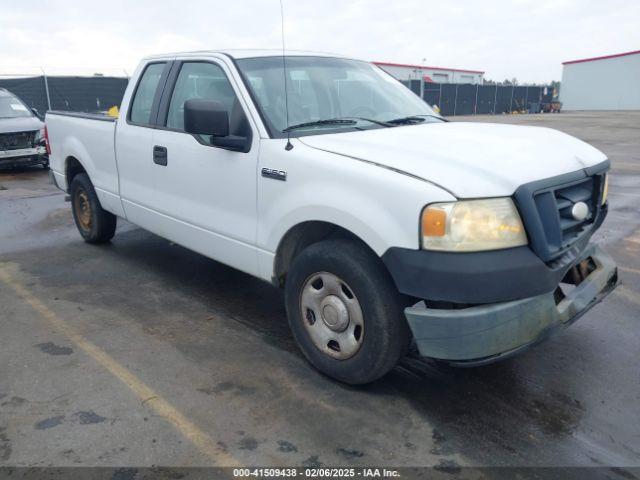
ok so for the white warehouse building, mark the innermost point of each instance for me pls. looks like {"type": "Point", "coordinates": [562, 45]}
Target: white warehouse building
{"type": "Point", "coordinates": [611, 82]}
{"type": "Point", "coordinates": [404, 72]}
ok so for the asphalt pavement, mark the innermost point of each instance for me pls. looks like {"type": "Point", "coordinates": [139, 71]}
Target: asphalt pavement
{"type": "Point", "coordinates": [141, 353]}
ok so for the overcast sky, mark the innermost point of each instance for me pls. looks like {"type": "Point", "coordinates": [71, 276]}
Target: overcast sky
{"type": "Point", "coordinates": [526, 39]}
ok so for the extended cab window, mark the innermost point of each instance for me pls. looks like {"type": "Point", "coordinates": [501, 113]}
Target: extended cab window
{"type": "Point", "coordinates": [209, 82]}
{"type": "Point", "coordinates": [145, 93]}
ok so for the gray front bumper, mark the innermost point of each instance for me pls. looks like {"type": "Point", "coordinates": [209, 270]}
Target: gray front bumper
{"type": "Point", "coordinates": [486, 333]}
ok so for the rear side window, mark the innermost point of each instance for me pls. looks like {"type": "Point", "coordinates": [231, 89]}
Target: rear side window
{"type": "Point", "coordinates": [145, 93]}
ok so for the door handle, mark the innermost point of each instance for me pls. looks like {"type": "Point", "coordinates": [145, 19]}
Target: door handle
{"type": "Point", "coordinates": [160, 155]}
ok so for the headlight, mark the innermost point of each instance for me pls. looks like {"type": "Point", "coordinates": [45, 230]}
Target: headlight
{"type": "Point", "coordinates": [39, 136]}
{"type": "Point", "coordinates": [605, 189]}
{"type": "Point", "coordinates": [472, 225]}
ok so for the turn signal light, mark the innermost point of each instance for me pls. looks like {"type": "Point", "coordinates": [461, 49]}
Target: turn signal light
{"type": "Point", "coordinates": [434, 221]}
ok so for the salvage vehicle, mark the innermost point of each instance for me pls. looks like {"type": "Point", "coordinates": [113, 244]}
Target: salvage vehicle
{"type": "Point", "coordinates": [389, 228]}
{"type": "Point", "coordinates": [22, 141]}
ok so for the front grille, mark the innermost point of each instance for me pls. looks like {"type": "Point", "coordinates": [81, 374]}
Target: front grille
{"type": "Point", "coordinates": [555, 204]}
{"type": "Point", "coordinates": [546, 209]}
{"type": "Point", "coordinates": [566, 198]}
{"type": "Point", "coordinates": [17, 141]}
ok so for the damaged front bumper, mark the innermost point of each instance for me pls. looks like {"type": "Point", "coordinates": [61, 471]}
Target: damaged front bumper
{"type": "Point", "coordinates": [486, 333]}
{"type": "Point", "coordinates": [23, 157]}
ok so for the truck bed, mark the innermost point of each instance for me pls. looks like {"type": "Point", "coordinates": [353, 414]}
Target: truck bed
{"type": "Point", "coordinates": [89, 139]}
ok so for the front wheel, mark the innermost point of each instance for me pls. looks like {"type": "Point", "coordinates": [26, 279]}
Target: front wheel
{"type": "Point", "coordinates": [345, 312]}
{"type": "Point", "coordinates": [95, 224]}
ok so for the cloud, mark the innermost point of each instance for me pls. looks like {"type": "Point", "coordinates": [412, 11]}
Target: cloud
{"type": "Point", "coordinates": [527, 39]}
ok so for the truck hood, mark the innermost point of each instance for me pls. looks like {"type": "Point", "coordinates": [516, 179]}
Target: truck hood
{"type": "Point", "coordinates": [20, 124]}
{"type": "Point", "coordinates": [469, 160]}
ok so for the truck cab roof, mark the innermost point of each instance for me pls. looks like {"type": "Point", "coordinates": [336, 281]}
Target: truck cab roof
{"type": "Point", "coordinates": [246, 53]}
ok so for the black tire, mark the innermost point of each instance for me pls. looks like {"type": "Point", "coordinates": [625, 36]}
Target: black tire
{"type": "Point", "coordinates": [386, 333]}
{"type": "Point", "coordinates": [95, 224]}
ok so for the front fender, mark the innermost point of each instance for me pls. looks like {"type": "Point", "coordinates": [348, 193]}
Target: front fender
{"type": "Point", "coordinates": [380, 206]}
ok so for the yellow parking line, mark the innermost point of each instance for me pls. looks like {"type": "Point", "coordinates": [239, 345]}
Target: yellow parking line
{"type": "Point", "coordinates": [162, 407]}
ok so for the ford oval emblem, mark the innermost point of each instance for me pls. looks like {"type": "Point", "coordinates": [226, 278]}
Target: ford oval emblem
{"type": "Point", "coordinates": [579, 211]}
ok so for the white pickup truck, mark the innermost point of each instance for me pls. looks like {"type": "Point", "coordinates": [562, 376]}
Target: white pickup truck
{"type": "Point", "coordinates": [387, 226]}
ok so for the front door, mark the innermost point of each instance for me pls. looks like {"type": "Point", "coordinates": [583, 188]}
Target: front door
{"type": "Point", "coordinates": [205, 196]}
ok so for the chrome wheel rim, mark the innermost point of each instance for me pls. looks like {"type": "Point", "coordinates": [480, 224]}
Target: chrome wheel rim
{"type": "Point", "coordinates": [83, 209]}
{"type": "Point", "coordinates": [332, 315]}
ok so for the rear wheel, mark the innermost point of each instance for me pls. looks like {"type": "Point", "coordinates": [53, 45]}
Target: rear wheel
{"type": "Point", "coordinates": [95, 224]}
{"type": "Point", "coordinates": [345, 312]}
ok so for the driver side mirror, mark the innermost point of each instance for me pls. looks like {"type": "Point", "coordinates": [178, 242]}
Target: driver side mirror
{"type": "Point", "coordinates": [206, 117]}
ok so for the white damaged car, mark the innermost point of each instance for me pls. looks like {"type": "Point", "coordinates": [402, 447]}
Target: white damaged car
{"type": "Point", "coordinates": [22, 141]}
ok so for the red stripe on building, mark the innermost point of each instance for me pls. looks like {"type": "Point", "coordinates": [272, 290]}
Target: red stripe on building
{"type": "Point", "coordinates": [424, 67]}
{"type": "Point", "coordinates": [635, 52]}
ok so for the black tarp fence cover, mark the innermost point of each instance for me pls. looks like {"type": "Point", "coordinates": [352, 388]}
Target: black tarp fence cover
{"type": "Point", "coordinates": [469, 99]}
{"type": "Point", "coordinates": [93, 94]}
{"type": "Point", "coordinates": [79, 94]}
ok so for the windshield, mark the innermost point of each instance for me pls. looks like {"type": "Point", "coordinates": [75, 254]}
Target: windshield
{"type": "Point", "coordinates": [325, 92]}
{"type": "Point", "coordinates": [11, 107]}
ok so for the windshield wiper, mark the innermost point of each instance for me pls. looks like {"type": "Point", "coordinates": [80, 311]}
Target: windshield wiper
{"type": "Point", "coordinates": [412, 119]}
{"type": "Point", "coordinates": [371, 120]}
{"type": "Point", "coordinates": [319, 123]}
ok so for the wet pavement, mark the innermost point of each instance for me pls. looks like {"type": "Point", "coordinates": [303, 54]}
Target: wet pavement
{"type": "Point", "coordinates": [143, 353]}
